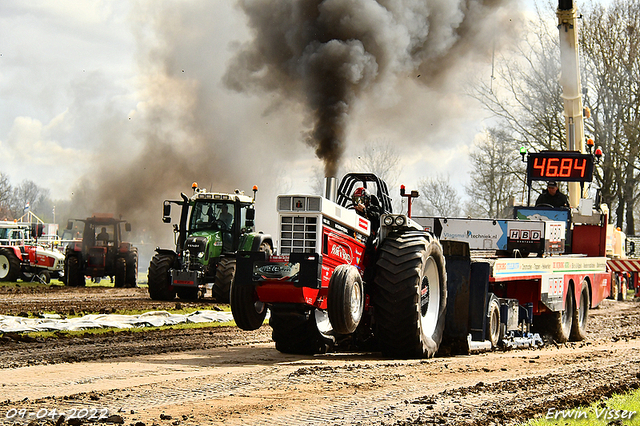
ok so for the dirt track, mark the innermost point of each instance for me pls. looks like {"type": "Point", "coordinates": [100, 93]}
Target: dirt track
{"type": "Point", "coordinates": [226, 376]}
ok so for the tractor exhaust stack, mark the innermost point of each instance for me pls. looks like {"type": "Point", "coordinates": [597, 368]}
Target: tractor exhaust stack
{"type": "Point", "coordinates": [330, 188]}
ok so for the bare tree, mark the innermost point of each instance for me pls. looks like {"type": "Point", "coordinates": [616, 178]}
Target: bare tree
{"type": "Point", "coordinates": [29, 194]}
{"type": "Point", "coordinates": [438, 197]}
{"type": "Point", "coordinates": [610, 44]}
{"type": "Point", "coordinates": [497, 174]}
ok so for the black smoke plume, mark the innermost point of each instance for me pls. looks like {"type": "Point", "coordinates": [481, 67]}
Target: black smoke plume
{"type": "Point", "coordinates": [325, 53]}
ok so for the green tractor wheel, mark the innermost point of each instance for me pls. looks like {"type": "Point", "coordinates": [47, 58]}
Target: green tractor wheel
{"type": "Point", "coordinates": [159, 279]}
{"type": "Point", "coordinates": [225, 272]}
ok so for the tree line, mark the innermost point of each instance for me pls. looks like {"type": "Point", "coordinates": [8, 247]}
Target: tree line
{"type": "Point", "coordinates": [16, 200]}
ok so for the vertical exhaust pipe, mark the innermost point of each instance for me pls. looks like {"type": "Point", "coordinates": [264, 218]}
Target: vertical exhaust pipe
{"type": "Point", "coordinates": [330, 188]}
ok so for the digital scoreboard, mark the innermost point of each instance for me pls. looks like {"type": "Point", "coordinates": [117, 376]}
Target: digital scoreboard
{"type": "Point", "coordinates": [564, 166]}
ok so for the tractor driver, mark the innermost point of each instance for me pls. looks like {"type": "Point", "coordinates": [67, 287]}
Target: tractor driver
{"type": "Point", "coordinates": [226, 217]}
{"type": "Point", "coordinates": [103, 236]}
{"type": "Point", "coordinates": [552, 196]}
{"type": "Point", "coordinates": [362, 201]}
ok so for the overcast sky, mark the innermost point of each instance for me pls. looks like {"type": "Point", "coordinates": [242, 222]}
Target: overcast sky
{"type": "Point", "coordinates": [89, 88]}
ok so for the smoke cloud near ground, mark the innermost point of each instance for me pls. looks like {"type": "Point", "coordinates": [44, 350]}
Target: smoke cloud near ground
{"type": "Point", "coordinates": [325, 54]}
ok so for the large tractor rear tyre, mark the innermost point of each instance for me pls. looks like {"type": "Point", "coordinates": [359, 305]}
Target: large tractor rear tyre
{"type": "Point", "coordinates": [131, 279]}
{"type": "Point", "coordinates": [298, 333]}
{"type": "Point", "coordinates": [159, 279]}
{"type": "Point", "coordinates": [410, 295]}
{"type": "Point", "coordinates": [225, 271]}
{"type": "Point", "coordinates": [345, 301]}
{"type": "Point", "coordinates": [9, 266]}
{"type": "Point", "coordinates": [581, 314]}
{"type": "Point", "coordinates": [248, 312]}
{"type": "Point", "coordinates": [120, 272]}
{"type": "Point", "coordinates": [75, 277]}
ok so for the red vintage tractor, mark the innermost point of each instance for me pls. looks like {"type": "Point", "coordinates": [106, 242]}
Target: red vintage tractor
{"type": "Point", "coordinates": [101, 252]}
{"type": "Point", "coordinates": [22, 257]}
{"type": "Point", "coordinates": [339, 282]}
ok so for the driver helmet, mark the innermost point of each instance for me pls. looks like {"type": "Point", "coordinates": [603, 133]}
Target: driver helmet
{"type": "Point", "coordinates": [361, 195]}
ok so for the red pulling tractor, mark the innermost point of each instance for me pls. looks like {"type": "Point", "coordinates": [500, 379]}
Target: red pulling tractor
{"type": "Point", "coordinates": [331, 286]}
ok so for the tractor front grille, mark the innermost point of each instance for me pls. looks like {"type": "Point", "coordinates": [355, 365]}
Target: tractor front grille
{"type": "Point", "coordinates": [298, 234]}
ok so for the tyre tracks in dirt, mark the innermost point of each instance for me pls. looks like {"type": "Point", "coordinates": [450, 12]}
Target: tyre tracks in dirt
{"type": "Point", "coordinates": [259, 386]}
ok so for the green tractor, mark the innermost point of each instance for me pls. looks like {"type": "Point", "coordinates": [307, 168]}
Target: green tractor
{"type": "Point", "coordinates": [213, 227]}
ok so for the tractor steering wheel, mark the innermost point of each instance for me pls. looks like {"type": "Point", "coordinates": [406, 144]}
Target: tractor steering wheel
{"type": "Point", "coordinates": [545, 205]}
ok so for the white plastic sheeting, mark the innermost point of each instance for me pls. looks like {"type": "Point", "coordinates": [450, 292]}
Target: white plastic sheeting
{"type": "Point", "coordinates": [52, 322]}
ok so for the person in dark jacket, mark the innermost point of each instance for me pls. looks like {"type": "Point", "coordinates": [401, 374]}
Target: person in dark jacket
{"type": "Point", "coordinates": [552, 196]}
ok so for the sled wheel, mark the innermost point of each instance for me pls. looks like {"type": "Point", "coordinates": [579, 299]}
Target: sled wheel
{"type": "Point", "coordinates": [345, 301]}
{"type": "Point", "coordinates": [131, 277]}
{"type": "Point", "coordinates": [560, 322]}
{"type": "Point", "coordinates": [411, 295]}
{"type": "Point", "coordinates": [121, 272]}
{"type": "Point", "coordinates": [622, 295]}
{"type": "Point", "coordinates": [9, 266]}
{"type": "Point", "coordinates": [225, 271]}
{"type": "Point", "coordinates": [159, 278]}
{"type": "Point", "coordinates": [300, 333]}
{"type": "Point", "coordinates": [75, 277]}
{"type": "Point", "coordinates": [248, 311]}
{"type": "Point", "coordinates": [581, 314]}
{"type": "Point", "coordinates": [494, 327]}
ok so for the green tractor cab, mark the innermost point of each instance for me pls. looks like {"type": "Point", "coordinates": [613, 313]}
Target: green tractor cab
{"type": "Point", "coordinates": [212, 227]}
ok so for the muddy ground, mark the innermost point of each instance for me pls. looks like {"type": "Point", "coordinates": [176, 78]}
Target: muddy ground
{"type": "Point", "coordinates": [223, 375]}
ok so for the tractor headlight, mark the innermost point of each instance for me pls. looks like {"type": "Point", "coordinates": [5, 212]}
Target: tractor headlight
{"type": "Point", "coordinates": [200, 255]}
{"type": "Point", "coordinates": [400, 220]}
{"type": "Point", "coordinates": [388, 220]}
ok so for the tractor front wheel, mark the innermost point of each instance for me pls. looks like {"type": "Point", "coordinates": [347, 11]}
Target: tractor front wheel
{"type": "Point", "coordinates": [410, 295]}
{"type": "Point", "coordinates": [345, 301]}
{"type": "Point", "coordinates": [75, 277]}
{"type": "Point", "coordinates": [298, 333]}
{"type": "Point", "coordinates": [225, 271]}
{"type": "Point", "coordinates": [159, 278]}
{"type": "Point", "coordinates": [44, 277]}
{"type": "Point", "coordinates": [248, 311]}
{"type": "Point", "coordinates": [121, 271]}
{"type": "Point", "coordinates": [9, 266]}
